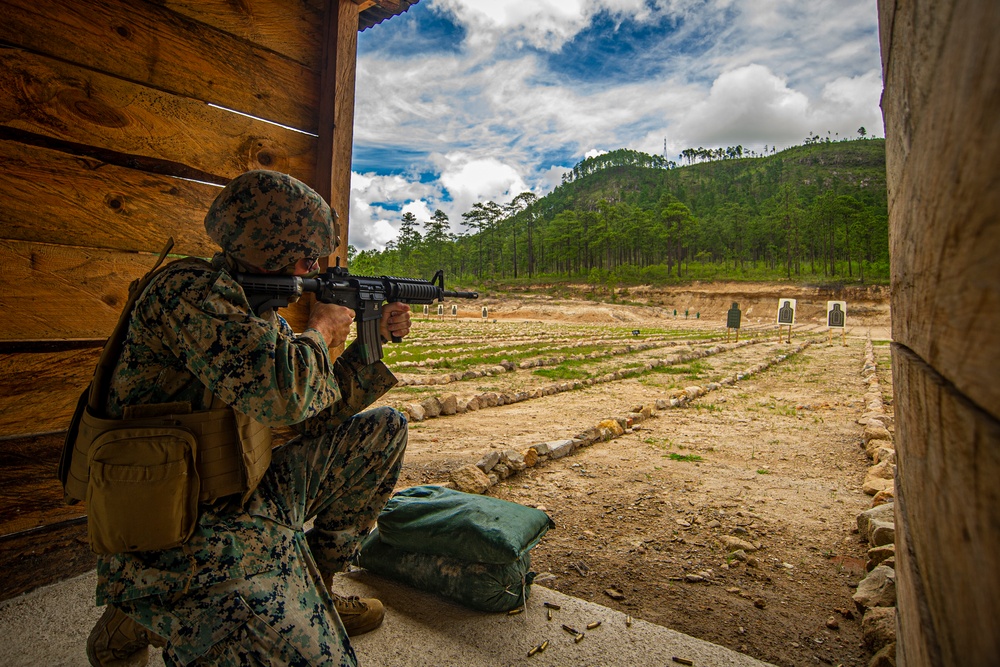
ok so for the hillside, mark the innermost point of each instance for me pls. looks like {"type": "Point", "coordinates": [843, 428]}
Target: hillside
{"type": "Point", "coordinates": [814, 213]}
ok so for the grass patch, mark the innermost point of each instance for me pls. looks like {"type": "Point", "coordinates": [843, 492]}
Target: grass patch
{"type": "Point", "coordinates": [562, 372]}
{"type": "Point", "coordinates": [763, 471]}
{"type": "Point", "coordinates": [674, 456]}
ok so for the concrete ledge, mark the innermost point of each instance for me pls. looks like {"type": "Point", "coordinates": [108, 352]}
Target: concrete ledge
{"type": "Point", "coordinates": [49, 627]}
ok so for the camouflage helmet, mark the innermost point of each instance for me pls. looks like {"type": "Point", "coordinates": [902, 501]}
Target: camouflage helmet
{"type": "Point", "coordinates": [270, 220]}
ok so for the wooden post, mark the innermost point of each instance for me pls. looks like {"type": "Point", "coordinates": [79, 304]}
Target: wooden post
{"type": "Point", "coordinates": [942, 94]}
{"type": "Point", "coordinates": [336, 112]}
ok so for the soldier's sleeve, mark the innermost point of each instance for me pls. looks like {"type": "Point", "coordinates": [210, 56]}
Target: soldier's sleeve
{"type": "Point", "coordinates": [360, 386]}
{"type": "Point", "coordinates": [253, 364]}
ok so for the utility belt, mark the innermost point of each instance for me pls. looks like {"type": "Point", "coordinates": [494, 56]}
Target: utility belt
{"type": "Point", "coordinates": [144, 476]}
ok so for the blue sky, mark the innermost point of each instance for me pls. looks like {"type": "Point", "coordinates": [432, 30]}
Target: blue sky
{"type": "Point", "coordinates": [460, 101]}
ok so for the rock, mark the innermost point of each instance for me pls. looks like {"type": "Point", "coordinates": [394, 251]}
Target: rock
{"type": "Point", "coordinates": [886, 657]}
{"type": "Point", "coordinates": [884, 455]}
{"type": "Point", "coordinates": [489, 399]}
{"type": "Point", "coordinates": [614, 593]}
{"type": "Point", "coordinates": [735, 544]}
{"type": "Point", "coordinates": [501, 470]}
{"type": "Point", "coordinates": [473, 404]}
{"type": "Point", "coordinates": [661, 404]}
{"type": "Point", "coordinates": [431, 406]}
{"type": "Point", "coordinates": [561, 448]}
{"type": "Point", "coordinates": [833, 623]}
{"type": "Point", "coordinates": [713, 524]}
{"type": "Point", "coordinates": [693, 578]}
{"type": "Point", "coordinates": [884, 470]}
{"type": "Point", "coordinates": [613, 426]}
{"type": "Point", "coordinates": [878, 589]}
{"type": "Point", "coordinates": [885, 496]}
{"type": "Point", "coordinates": [873, 446]}
{"type": "Point", "coordinates": [588, 437]}
{"type": "Point", "coordinates": [470, 479]}
{"type": "Point", "coordinates": [760, 603]}
{"type": "Point", "coordinates": [414, 412]}
{"type": "Point", "coordinates": [876, 433]}
{"type": "Point", "coordinates": [876, 517]}
{"type": "Point", "coordinates": [449, 404]}
{"type": "Point", "coordinates": [530, 457]}
{"type": "Point", "coordinates": [873, 486]}
{"type": "Point", "coordinates": [693, 392]}
{"type": "Point", "coordinates": [878, 554]}
{"type": "Point", "coordinates": [878, 627]}
{"type": "Point", "coordinates": [513, 460]}
{"type": "Point", "coordinates": [490, 459]}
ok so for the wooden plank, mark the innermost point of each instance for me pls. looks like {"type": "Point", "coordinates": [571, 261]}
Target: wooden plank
{"type": "Point", "coordinates": [288, 27]}
{"type": "Point", "coordinates": [152, 45]}
{"type": "Point", "coordinates": [39, 559]}
{"type": "Point", "coordinates": [948, 520]}
{"type": "Point", "coordinates": [30, 493]}
{"type": "Point", "coordinates": [945, 215]}
{"type": "Point", "coordinates": [912, 36]}
{"type": "Point", "coordinates": [38, 391]}
{"type": "Point", "coordinates": [50, 197]}
{"type": "Point", "coordinates": [69, 103]}
{"type": "Point", "coordinates": [51, 291]}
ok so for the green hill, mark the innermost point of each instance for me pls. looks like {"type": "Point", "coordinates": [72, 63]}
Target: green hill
{"type": "Point", "coordinates": [813, 213]}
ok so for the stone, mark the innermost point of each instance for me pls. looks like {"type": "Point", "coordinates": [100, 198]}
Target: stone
{"type": "Point", "coordinates": [876, 517]}
{"type": "Point", "coordinates": [878, 589]}
{"type": "Point", "coordinates": [530, 457]}
{"type": "Point", "coordinates": [489, 459]}
{"type": "Point", "coordinates": [886, 657]}
{"type": "Point", "coordinates": [470, 479]}
{"type": "Point", "coordinates": [473, 404]}
{"type": "Point", "coordinates": [431, 406]}
{"type": "Point", "coordinates": [874, 445]}
{"type": "Point", "coordinates": [561, 448]}
{"type": "Point", "coordinates": [878, 627]}
{"type": "Point", "coordinates": [449, 404]}
{"type": "Point", "coordinates": [661, 404]}
{"type": "Point", "coordinates": [414, 412]}
{"type": "Point", "coordinates": [875, 433]}
{"type": "Point", "coordinates": [882, 497]}
{"type": "Point", "coordinates": [885, 455]}
{"type": "Point", "coordinates": [588, 437]}
{"type": "Point", "coordinates": [501, 470]}
{"type": "Point", "coordinates": [735, 544]}
{"type": "Point", "coordinates": [513, 459]}
{"type": "Point", "coordinates": [541, 449]}
{"type": "Point", "coordinates": [878, 554]}
{"type": "Point", "coordinates": [613, 426]}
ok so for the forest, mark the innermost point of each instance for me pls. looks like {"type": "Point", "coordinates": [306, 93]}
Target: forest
{"type": "Point", "coordinates": [815, 213]}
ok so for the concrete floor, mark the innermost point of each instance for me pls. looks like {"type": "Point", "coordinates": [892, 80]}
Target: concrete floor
{"type": "Point", "coordinates": [49, 627]}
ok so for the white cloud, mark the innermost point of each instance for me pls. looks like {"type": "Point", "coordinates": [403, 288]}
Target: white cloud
{"type": "Point", "coordinates": [486, 117]}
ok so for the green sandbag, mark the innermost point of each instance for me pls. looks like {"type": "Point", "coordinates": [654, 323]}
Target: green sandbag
{"type": "Point", "coordinates": [464, 526]}
{"type": "Point", "coordinates": [482, 586]}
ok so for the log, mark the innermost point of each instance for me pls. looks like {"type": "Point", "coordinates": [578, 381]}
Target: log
{"type": "Point", "coordinates": [47, 196]}
{"type": "Point", "coordinates": [947, 520]}
{"type": "Point", "coordinates": [39, 390]}
{"type": "Point", "coordinates": [68, 103]}
{"type": "Point", "coordinates": [159, 48]}
{"type": "Point", "coordinates": [940, 105]}
{"type": "Point", "coordinates": [51, 291]}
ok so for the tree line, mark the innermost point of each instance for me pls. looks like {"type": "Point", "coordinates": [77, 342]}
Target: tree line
{"type": "Point", "coordinates": [812, 212]}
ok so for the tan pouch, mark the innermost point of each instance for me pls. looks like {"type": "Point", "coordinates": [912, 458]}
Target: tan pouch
{"type": "Point", "coordinates": [143, 489]}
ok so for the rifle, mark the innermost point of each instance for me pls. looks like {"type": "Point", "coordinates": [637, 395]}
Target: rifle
{"type": "Point", "coordinates": [364, 295]}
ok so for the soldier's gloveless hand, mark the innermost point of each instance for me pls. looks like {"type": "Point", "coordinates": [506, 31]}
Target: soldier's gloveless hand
{"type": "Point", "coordinates": [331, 320]}
{"type": "Point", "coordinates": [395, 321]}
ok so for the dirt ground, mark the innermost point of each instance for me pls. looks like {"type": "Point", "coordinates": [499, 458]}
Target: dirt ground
{"type": "Point", "coordinates": [773, 460]}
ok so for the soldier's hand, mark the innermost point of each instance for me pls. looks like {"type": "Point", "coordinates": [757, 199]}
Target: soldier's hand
{"type": "Point", "coordinates": [333, 321]}
{"type": "Point", "coordinates": [395, 321]}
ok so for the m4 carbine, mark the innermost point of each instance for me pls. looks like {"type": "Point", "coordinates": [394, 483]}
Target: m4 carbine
{"type": "Point", "coordinates": [364, 295]}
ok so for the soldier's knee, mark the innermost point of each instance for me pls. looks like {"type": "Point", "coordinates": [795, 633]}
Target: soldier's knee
{"type": "Point", "coordinates": [393, 421]}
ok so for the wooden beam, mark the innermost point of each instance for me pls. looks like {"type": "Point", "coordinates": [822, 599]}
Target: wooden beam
{"type": "Point", "coordinates": [149, 44]}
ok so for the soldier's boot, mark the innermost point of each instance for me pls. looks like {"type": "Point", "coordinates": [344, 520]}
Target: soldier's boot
{"type": "Point", "coordinates": [118, 641]}
{"type": "Point", "coordinates": [359, 615]}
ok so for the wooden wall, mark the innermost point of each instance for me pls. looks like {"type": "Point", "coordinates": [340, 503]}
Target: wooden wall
{"type": "Point", "coordinates": [117, 130]}
{"type": "Point", "coordinates": [942, 114]}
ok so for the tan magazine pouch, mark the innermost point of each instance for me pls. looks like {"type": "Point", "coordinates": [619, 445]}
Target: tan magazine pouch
{"type": "Point", "coordinates": [143, 490]}
{"type": "Point", "coordinates": [144, 475]}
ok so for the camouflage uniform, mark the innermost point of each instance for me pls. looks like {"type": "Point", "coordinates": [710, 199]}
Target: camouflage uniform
{"type": "Point", "coordinates": [247, 587]}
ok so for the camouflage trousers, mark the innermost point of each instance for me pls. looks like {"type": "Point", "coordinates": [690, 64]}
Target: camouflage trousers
{"type": "Point", "coordinates": [284, 615]}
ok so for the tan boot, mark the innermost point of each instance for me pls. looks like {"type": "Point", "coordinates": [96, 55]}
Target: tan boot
{"type": "Point", "coordinates": [359, 615]}
{"type": "Point", "coordinates": [118, 641]}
